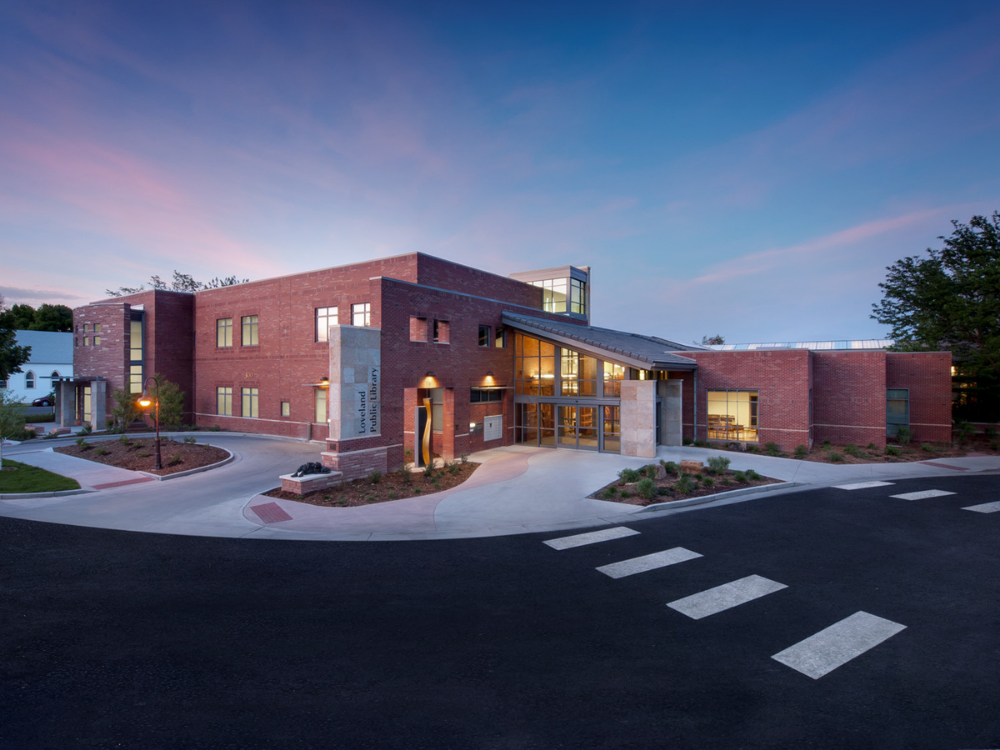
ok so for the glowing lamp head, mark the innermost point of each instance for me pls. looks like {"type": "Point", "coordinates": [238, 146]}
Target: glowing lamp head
{"type": "Point", "coordinates": [144, 400]}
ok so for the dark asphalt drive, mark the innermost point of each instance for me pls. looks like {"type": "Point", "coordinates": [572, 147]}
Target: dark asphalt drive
{"type": "Point", "coordinates": [113, 639]}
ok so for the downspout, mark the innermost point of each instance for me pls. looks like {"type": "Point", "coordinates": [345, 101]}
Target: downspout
{"type": "Point", "coordinates": [695, 405]}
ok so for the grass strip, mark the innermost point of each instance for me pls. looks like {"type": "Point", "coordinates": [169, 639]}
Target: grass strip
{"type": "Point", "coordinates": [26, 478]}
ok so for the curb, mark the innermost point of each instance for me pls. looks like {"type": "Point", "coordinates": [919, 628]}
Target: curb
{"type": "Point", "coordinates": [29, 495]}
{"type": "Point", "coordinates": [189, 472]}
{"type": "Point", "coordinates": [658, 507]}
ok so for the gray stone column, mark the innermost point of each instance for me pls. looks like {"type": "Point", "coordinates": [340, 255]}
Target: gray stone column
{"type": "Point", "coordinates": [671, 398]}
{"type": "Point", "coordinates": [354, 403]}
{"type": "Point", "coordinates": [638, 411]}
{"type": "Point", "coordinates": [98, 404]}
{"type": "Point", "coordinates": [66, 405]}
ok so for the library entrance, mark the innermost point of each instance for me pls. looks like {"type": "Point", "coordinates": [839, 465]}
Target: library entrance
{"type": "Point", "coordinates": [580, 427]}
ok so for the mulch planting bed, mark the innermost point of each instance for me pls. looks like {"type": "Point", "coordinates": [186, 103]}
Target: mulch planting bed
{"type": "Point", "coordinates": [670, 483]}
{"type": "Point", "coordinates": [393, 486]}
{"type": "Point", "coordinates": [138, 454]}
{"type": "Point", "coordinates": [891, 453]}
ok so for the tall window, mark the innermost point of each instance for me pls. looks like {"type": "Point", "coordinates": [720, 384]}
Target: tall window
{"type": "Point", "coordinates": [361, 314]}
{"type": "Point", "coordinates": [224, 401]}
{"type": "Point", "coordinates": [250, 330]}
{"type": "Point", "coordinates": [535, 367]}
{"type": "Point", "coordinates": [484, 335]}
{"type": "Point", "coordinates": [319, 401]}
{"type": "Point", "coordinates": [501, 338]}
{"type": "Point", "coordinates": [250, 403]}
{"type": "Point", "coordinates": [97, 331]}
{"type": "Point", "coordinates": [579, 374]}
{"type": "Point", "coordinates": [325, 317]}
{"type": "Point", "coordinates": [135, 356]}
{"type": "Point", "coordinates": [733, 415]}
{"type": "Point", "coordinates": [442, 332]}
{"type": "Point", "coordinates": [224, 332]}
{"type": "Point", "coordinates": [578, 296]}
{"type": "Point", "coordinates": [29, 379]}
{"type": "Point", "coordinates": [613, 377]}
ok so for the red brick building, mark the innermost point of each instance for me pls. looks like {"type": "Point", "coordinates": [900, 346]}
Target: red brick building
{"type": "Point", "coordinates": [350, 355]}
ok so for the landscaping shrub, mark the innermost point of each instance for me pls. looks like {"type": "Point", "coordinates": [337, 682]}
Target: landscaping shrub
{"type": "Point", "coordinates": [927, 447]}
{"type": "Point", "coordinates": [687, 441]}
{"type": "Point", "coordinates": [852, 450]}
{"type": "Point", "coordinates": [174, 459]}
{"type": "Point", "coordinates": [646, 488]}
{"type": "Point", "coordinates": [610, 493]}
{"type": "Point", "coordinates": [826, 445]}
{"type": "Point", "coordinates": [86, 429]}
{"type": "Point", "coordinates": [801, 452]}
{"type": "Point", "coordinates": [702, 444]}
{"type": "Point", "coordinates": [670, 467]}
{"type": "Point", "coordinates": [903, 435]}
{"type": "Point", "coordinates": [406, 474]}
{"type": "Point", "coordinates": [40, 418]}
{"type": "Point", "coordinates": [753, 476]}
{"type": "Point", "coordinates": [375, 477]}
{"type": "Point", "coordinates": [464, 458]}
{"type": "Point", "coordinates": [684, 484]}
{"type": "Point", "coordinates": [102, 451]}
{"type": "Point", "coordinates": [453, 469]}
{"type": "Point", "coordinates": [190, 440]}
{"type": "Point", "coordinates": [708, 482]}
{"type": "Point", "coordinates": [82, 442]}
{"type": "Point", "coordinates": [649, 470]}
{"type": "Point", "coordinates": [628, 476]}
{"type": "Point", "coordinates": [835, 457]}
{"type": "Point", "coordinates": [891, 450]}
{"type": "Point", "coordinates": [739, 476]}
{"type": "Point", "coordinates": [872, 447]}
{"type": "Point", "coordinates": [751, 448]}
{"type": "Point", "coordinates": [718, 464]}
{"type": "Point", "coordinates": [965, 431]}
{"type": "Point", "coordinates": [772, 449]}
{"type": "Point", "coordinates": [125, 410]}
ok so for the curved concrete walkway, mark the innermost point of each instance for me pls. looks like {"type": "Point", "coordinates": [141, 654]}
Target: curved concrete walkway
{"type": "Point", "coordinates": [516, 490]}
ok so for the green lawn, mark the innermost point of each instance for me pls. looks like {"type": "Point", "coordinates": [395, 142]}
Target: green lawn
{"type": "Point", "coordinates": [27, 478]}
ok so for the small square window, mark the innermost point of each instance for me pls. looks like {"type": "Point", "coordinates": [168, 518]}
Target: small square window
{"type": "Point", "coordinates": [361, 314]}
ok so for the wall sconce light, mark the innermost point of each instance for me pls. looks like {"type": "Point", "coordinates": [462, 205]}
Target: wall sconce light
{"type": "Point", "coordinates": [431, 374]}
{"type": "Point", "coordinates": [489, 373]}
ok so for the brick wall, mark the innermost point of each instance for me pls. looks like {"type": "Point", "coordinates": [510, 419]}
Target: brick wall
{"type": "Point", "coordinates": [110, 359]}
{"type": "Point", "coordinates": [928, 376]}
{"type": "Point", "coordinates": [781, 379]}
{"type": "Point", "coordinates": [443, 274]}
{"type": "Point", "coordinates": [849, 397]}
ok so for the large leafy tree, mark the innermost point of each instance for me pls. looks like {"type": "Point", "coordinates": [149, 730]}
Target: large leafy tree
{"type": "Point", "coordinates": [12, 356]}
{"type": "Point", "coordinates": [950, 299]}
{"type": "Point", "coordinates": [58, 318]}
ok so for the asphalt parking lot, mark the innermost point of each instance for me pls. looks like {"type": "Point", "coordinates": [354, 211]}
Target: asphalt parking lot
{"type": "Point", "coordinates": [121, 639]}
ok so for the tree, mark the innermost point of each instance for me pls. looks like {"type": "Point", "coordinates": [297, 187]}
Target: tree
{"type": "Point", "coordinates": [12, 356]}
{"type": "Point", "coordinates": [125, 411]}
{"type": "Point", "coordinates": [171, 402]}
{"type": "Point", "coordinates": [950, 300]}
{"type": "Point", "coordinates": [182, 282]}
{"type": "Point", "coordinates": [58, 318]}
{"type": "Point", "coordinates": [11, 418]}
{"type": "Point", "coordinates": [716, 340]}
{"type": "Point", "coordinates": [18, 317]}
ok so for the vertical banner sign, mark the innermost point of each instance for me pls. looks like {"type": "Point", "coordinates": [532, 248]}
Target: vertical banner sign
{"type": "Point", "coordinates": [368, 404]}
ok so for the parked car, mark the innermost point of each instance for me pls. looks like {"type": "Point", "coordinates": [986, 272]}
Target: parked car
{"type": "Point", "coordinates": [44, 401]}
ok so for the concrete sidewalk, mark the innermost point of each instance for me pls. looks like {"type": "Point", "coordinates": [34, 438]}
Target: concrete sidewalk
{"type": "Point", "coordinates": [516, 490]}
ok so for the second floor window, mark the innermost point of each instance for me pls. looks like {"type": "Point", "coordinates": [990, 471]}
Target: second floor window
{"type": "Point", "coordinates": [224, 332]}
{"type": "Point", "coordinates": [325, 317]}
{"type": "Point", "coordinates": [361, 314]}
{"type": "Point", "coordinates": [484, 335]}
{"type": "Point", "coordinates": [250, 330]}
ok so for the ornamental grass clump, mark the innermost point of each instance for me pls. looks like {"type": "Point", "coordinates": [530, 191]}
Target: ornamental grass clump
{"type": "Point", "coordinates": [852, 450]}
{"type": "Point", "coordinates": [835, 457]}
{"type": "Point", "coordinates": [646, 488]}
{"type": "Point", "coordinates": [629, 476]}
{"type": "Point", "coordinates": [891, 450]}
{"type": "Point", "coordinates": [718, 465]}
{"type": "Point", "coordinates": [685, 484]}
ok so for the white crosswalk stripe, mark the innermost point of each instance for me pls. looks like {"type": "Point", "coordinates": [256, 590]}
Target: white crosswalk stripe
{"type": "Point", "coordinates": [862, 485]}
{"type": "Point", "coordinates": [648, 562]}
{"type": "Point", "coordinates": [836, 645]}
{"type": "Point", "coordinates": [591, 537]}
{"type": "Point", "coordinates": [923, 495]}
{"type": "Point", "coordinates": [726, 596]}
{"type": "Point", "coordinates": [984, 508]}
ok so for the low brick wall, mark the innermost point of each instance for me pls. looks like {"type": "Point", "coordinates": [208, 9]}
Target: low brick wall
{"type": "Point", "coordinates": [310, 482]}
{"type": "Point", "coordinates": [357, 464]}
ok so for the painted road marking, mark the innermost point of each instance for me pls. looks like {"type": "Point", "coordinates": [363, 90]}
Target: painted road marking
{"type": "Point", "coordinates": [924, 495]}
{"type": "Point", "coordinates": [591, 537]}
{"type": "Point", "coordinates": [836, 645]}
{"type": "Point", "coordinates": [862, 485]}
{"type": "Point", "coordinates": [985, 507]}
{"type": "Point", "coordinates": [648, 562]}
{"type": "Point", "coordinates": [726, 596]}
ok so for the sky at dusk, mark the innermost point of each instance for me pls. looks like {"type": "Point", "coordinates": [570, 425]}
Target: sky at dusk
{"type": "Point", "coordinates": [746, 169]}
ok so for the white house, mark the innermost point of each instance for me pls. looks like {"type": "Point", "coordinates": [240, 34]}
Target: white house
{"type": "Point", "coordinates": [51, 357]}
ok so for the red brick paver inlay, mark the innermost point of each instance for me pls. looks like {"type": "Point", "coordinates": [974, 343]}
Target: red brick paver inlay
{"type": "Point", "coordinates": [270, 513]}
{"type": "Point", "coordinates": [946, 466]}
{"type": "Point", "coordinates": [124, 482]}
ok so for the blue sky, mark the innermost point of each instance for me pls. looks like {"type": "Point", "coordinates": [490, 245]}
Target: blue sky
{"type": "Point", "coordinates": [748, 171]}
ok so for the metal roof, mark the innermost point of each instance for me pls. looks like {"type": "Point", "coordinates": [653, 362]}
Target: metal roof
{"type": "Point", "coordinates": [47, 347]}
{"type": "Point", "coordinates": [633, 349]}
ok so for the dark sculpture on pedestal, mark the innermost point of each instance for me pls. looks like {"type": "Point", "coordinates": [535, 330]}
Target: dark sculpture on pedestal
{"type": "Point", "coordinates": [313, 467]}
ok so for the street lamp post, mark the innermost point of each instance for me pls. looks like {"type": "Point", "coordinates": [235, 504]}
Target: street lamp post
{"type": "Point", "coordinates": [144, 401]}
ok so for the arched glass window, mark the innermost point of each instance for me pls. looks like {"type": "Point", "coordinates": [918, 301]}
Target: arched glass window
{"type": "Point", "coordinates": [29, 379]}
{"type": "Point", "coordinates": [55, 373]}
